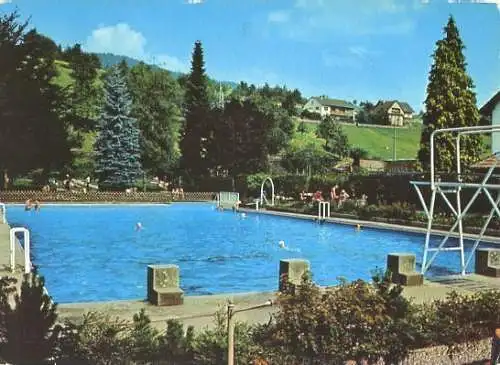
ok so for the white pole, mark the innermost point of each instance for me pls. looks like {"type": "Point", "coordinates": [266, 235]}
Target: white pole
{"type": "Point", "coordinates": [230, 334]}
{"type": "Point", "coordinates": [231, 311]}
{"type": "Point", "coordinates": [4, 212]}
{"type": "Point", "coordinates": [27, 249]}
{"type": "Point", "coordinates": [12, 251]}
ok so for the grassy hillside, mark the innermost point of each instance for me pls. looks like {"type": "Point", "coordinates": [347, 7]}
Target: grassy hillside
{"type": "Point", "coordinates": [379, 141]}
{"type": "Point", "coordinates": [63, 78]}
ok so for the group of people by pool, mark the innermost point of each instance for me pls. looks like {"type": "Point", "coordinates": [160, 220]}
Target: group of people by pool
{"type": "Point", "coordinates": [337, 199]}
{"type": "Point", "coordinates": [29, 205]}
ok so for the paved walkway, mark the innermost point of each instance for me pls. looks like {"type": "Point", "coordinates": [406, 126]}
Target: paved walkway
{"type": "Point", "coordinates": [199, 310]}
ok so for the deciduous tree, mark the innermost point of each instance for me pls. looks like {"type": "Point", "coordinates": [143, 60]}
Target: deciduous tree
{"type": "Point", "coordinates": [30, 119]}
{"type": "Point", "coordinates": [156, 100]}
{"type": "Point", "coordinates": [335, 138]}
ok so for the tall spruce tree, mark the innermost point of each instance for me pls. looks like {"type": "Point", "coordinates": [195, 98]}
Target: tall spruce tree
{"type": "Point", "coordinates": [117, 148]}
{"type": "Point", "coordinates": [450, 102]}
{"type": "Point", "coordinates": [196, 108]}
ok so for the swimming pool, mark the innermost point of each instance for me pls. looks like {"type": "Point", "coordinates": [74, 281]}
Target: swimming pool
{"type": "Point", "coordinates": [94, 253]}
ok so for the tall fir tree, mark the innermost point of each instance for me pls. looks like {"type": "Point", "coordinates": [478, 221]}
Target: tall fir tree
{"type": "Point", "coordinates": [197, 109]}
{"type": "Point", "coordinates": [450, 102]}
{"type": "Point", "coordinates": [117, 148]}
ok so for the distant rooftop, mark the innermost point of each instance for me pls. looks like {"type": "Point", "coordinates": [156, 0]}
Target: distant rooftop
{"type": "Point", "coordinates": [487, 108]}
{"type": "Point", "coordinates": [407, 109]}
{"type": "Point", "coordinates": [334, 102]}
{"type": "Point", "coordinates": [493, 160]}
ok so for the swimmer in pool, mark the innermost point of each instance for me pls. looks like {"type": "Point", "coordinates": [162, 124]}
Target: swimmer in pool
{"type": "Point", "coordinates": [243, 215]}
{"type": "Point", "coordinates": [282, 244]}
{"type": "Point", "coordinates": [358, 227]}
{"type": "Point", "coordinates": [138, 226]}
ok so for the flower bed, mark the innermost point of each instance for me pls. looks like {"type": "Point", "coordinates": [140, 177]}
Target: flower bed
{"type": "Point", "coordinates": [399, 214]}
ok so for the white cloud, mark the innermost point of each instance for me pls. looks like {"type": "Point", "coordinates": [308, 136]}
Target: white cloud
{"type": "Point", "coordinates": [172, 63]}
{"type": "Point", "coordinates": [280, 16]}
{"type": "Point", "coordinates": [352, 57]}
{"type": "Point", "coordinates": [358, 51]}
{"type": "Point", "coordinates": [120, 39]}
{"type": "Point", "coordinates": [312, 20]}
{"type": "Point", "coordinates": [497, 2]}
{"type": "Point", "coordinates": [123, 40]}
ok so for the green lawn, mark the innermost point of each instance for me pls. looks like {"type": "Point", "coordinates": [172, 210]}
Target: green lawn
{"type": "Point", "coordinates": [63, 79]}
{"type": "Point", "coordinates": [379, 141]}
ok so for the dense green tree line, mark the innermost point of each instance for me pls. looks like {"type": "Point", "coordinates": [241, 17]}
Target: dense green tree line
{"type": "Point", "coordinates": [188, 126]}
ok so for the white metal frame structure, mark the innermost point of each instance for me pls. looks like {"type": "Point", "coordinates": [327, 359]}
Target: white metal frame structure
{"type": "Point", "coordinates": [4, 212]}
{"type": "Point", "coordinates": [227, 197]}
{"type": "Point", "coordinates": [262, 197]}
{"type": "Point", "coordinates": [323, 210]}
{"type": "Point", "coordinates": [455, 187]}
{"type": "Point", "coordinates": [27, 247]}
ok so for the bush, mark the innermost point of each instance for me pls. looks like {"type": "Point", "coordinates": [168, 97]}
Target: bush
{"type": "Point", "coordinates": [27, 328]}
{"type": "Point", "coordinates": [353, 321]}
{"type": "Point", "coordinates": [310, 115]}
{"type": "Point", "coordinates": [99, 340]}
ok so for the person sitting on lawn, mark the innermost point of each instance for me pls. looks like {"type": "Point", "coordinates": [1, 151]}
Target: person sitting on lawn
{"type": "Point", "coordinates": [343, 197]}
{"type": "Point", "coordinates": [318, 196]}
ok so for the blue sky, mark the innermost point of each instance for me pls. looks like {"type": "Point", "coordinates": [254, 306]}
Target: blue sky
{"type": "Point", "coordinates": [362, 49]}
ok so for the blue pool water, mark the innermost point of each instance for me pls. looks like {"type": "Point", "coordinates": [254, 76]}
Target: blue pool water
{"type": "Point", "coordinates": [94, 253]}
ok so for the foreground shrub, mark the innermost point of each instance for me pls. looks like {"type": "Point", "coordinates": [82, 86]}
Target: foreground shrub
{"type": "Point", "coordinates": [353, 321]}
{"type": "Point", "coordinates": [210, 346]}
{"type": "Point", "coordinates": [463, 319]}
{"type": "Point", "coordinates": [99, 340]}
{"type": "Point", "coordinates": [27, 328]}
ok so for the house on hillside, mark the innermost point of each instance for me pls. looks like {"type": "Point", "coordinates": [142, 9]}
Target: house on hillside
{"type": "Point", "coordinates": [393, 112]}
{"type": "Point", "coordinates": [491, 110]}
{"type": "Point", "coordinates": [407, 109]}
{"type": "Point", "coordinates": [336, 108]}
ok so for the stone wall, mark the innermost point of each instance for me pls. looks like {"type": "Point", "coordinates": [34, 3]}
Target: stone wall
{"type": "Point", "coordinates": [13, 196]}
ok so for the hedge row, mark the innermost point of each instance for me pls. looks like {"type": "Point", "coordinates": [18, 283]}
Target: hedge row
{"type": "Point", "coordinates": [354, 321]}
{"type": "Point", "coordinates": [381, 188]}
{"type": "Point", "coordinates": [395, 213]}
{"type": "Point", "coordinates": [10, 196]}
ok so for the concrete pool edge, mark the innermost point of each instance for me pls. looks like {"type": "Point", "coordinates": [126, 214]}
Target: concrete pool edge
{"type": "Point", "coordinates": [371, 224]}
{"type": "Point", "coordinates": [199, 310]}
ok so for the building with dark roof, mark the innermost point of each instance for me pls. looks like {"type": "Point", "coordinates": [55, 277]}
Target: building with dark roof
{"type": "Point", "coordinates": [336, 108]}
{"type": "Point", "coordinates": [491, 110]}
{"type": "Point", "coordinates": [396, 113]}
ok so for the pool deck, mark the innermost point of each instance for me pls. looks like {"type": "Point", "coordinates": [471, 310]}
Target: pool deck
{"type": "Point", "coordinates": [199, 310]}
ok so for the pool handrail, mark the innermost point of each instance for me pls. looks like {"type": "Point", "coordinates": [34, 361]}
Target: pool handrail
{"type": "Point", "coordinates": [27, 247]}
